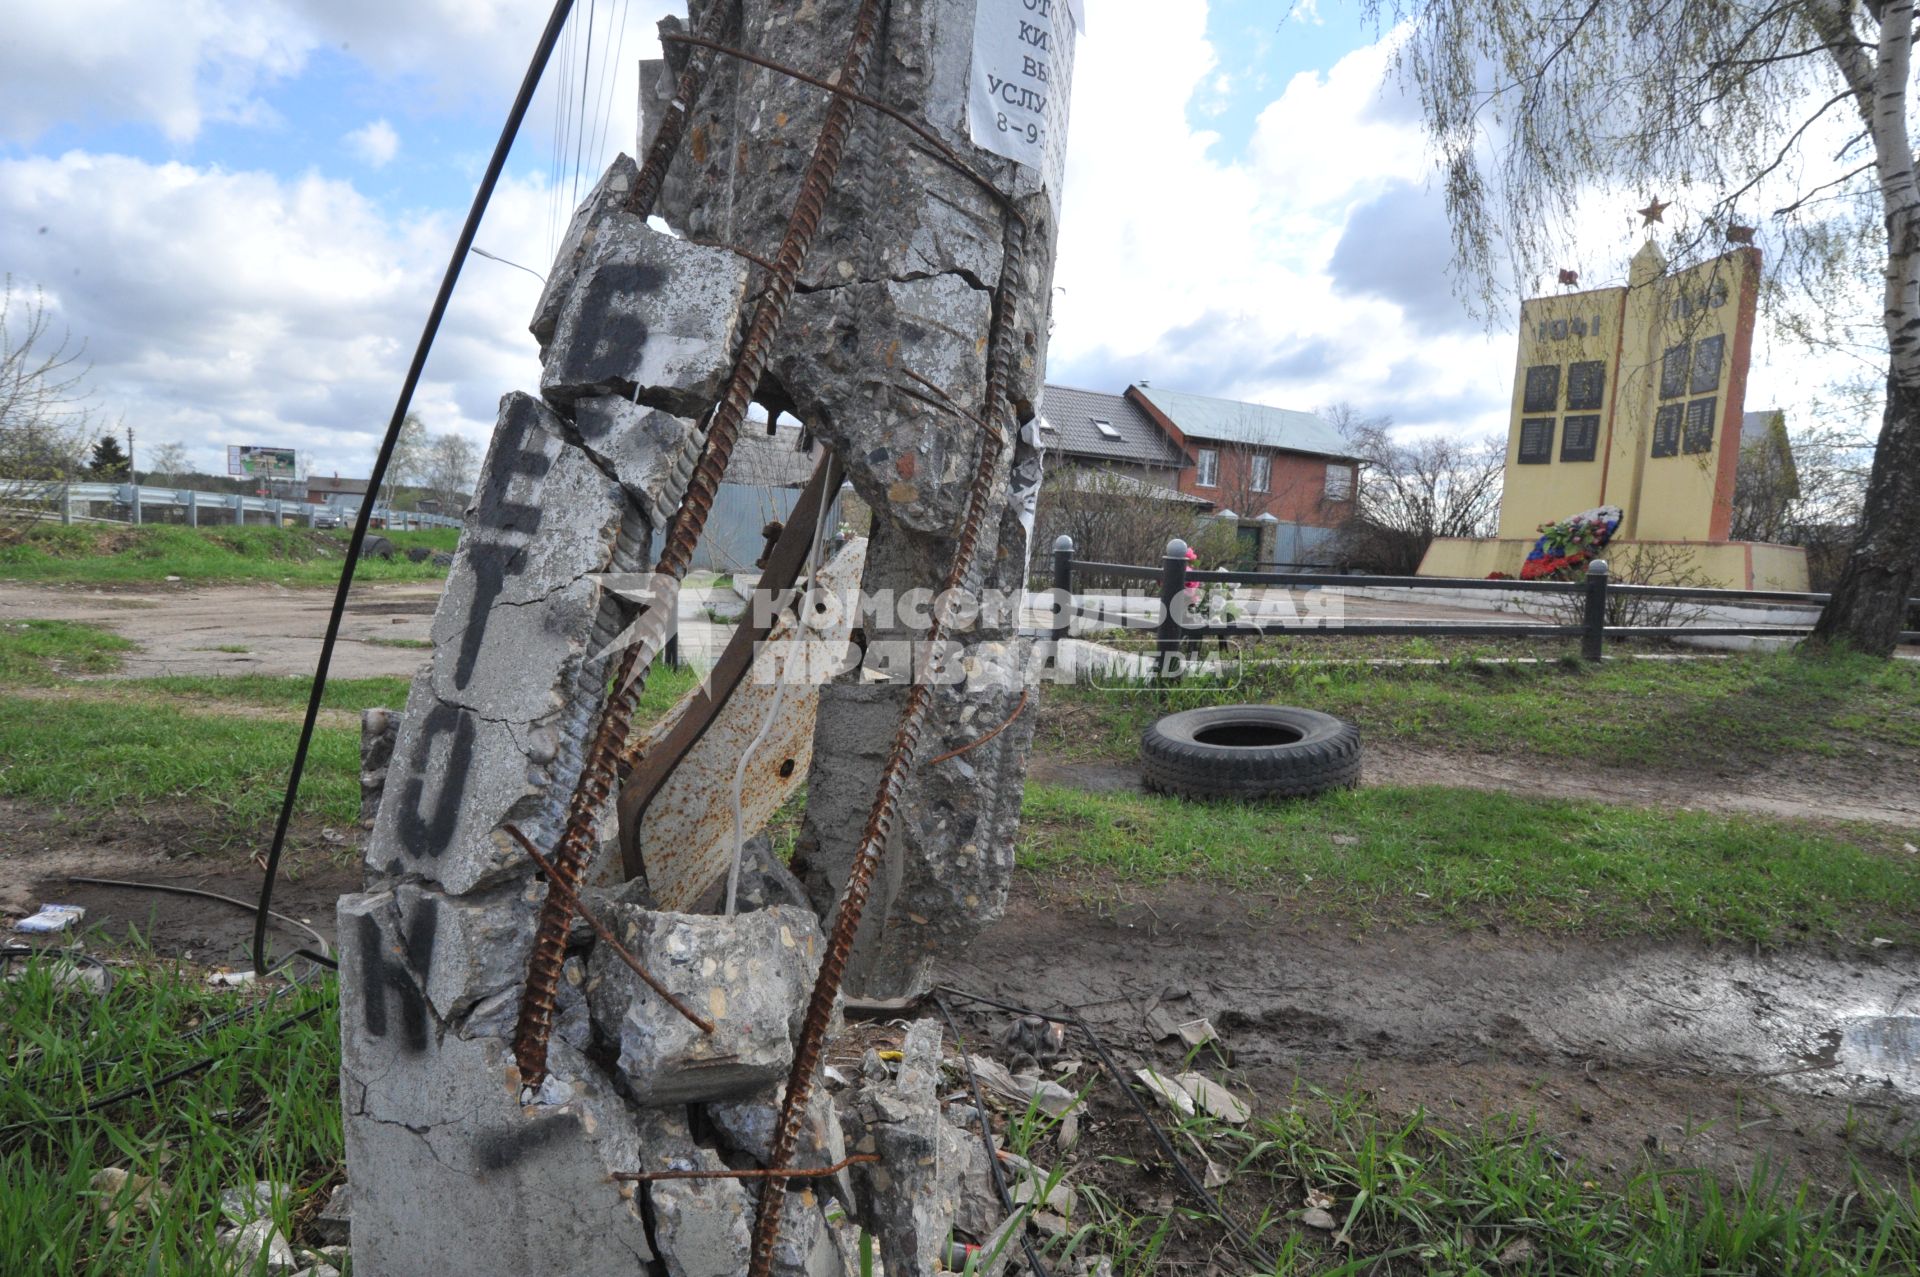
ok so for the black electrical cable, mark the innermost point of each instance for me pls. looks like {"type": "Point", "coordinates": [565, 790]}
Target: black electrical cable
{"type": "Point", "coordinates": [986, 1135]}
{"type": "Point", "coordinates": [535, 68]}
{"type": "Point", "coordinates": [147, 1085]}
{"type": "Point", "coordinates": [323, 957]}
{"type": "Point", "coordinates": [1244, 1239]}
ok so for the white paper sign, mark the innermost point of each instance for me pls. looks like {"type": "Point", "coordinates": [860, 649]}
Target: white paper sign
{"type": "Point", "coordinates": [1022, 74]}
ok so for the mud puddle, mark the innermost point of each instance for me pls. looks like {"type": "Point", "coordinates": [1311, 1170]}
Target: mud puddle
{"type": "Point", "coordinates": [1797, 1019]}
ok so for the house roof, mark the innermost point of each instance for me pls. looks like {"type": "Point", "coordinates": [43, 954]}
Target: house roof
{"type": "Point", "coordinates": [1231, 421]}
{"type": "Point", "coordinates": [1120, 484]}
{"type": "Point", "coordinates": [334, 483]}
{"type": "Point", "coordinates": [1072, 411]}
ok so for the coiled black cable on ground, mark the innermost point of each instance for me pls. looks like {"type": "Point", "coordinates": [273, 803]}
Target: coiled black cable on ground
{"type": "Point", "coordinates": [531, 81]}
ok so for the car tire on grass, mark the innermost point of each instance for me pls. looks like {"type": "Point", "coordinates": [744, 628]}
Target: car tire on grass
{"type": "Point", "coordinates": [1250, 751]}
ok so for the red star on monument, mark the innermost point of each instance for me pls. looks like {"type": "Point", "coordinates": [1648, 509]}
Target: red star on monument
{"type": "Point", "coordinates": [1651, 213]}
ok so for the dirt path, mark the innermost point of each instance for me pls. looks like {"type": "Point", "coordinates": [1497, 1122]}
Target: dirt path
{"type": "Point", "coordinates": [180, 630]}
{"type": "Point", "coordinates": [1878, 790]}
{"type": "Point", "coordinates": [1686, 1055]}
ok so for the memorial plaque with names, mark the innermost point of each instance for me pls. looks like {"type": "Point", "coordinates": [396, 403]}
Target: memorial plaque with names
{"type": "Point", "coordinates": [1586, 385]}
{"type": "Point", "coordinates": [1536, 441]}
{"type": "Point", "coordinates": [1707, 353]}
{"type": "Point", "coordinates": [1543, 389]}
{"type": "Point", "coordinates": [1579, 437]}
{"type": "Point", "coordinates": [1674, 368]}
{"type": "Point", "coordinates": [1697, 436]}
{"type": "Point", "coordinates": [1666, 430]}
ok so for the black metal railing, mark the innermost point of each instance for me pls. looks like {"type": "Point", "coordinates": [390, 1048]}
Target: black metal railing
{"type": "Point", "coordinates": [1176, 626]}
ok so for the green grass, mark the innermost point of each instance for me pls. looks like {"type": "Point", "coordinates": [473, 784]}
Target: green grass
{"type": "Point", "coordinates": [1467, 857]}
{"type": "Point", "coordinates": [1743, 709]}
{"type": "Point", "coordinates": [1407, 1196]}
{"type": "Point", "coordinates": [116, 554]}
{"type": "Point", "coordinates": [268, 1109]}
{"type": "Point", "coordinates": [102, 753]}
{"type": "Point", "coordinates": [35, 653]}
{"type": "Point", "coordinates": [275, 691]}
{"type": "Point", "coordinates": [135, 741]}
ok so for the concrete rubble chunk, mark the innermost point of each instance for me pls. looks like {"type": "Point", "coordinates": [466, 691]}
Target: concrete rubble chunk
{"type": "Point", "coordinates": [750, 975]}
{"type": "Point", "coordinates": [960, 819]}
{"type": "Point", "coordinates": [650, 317]}
{"type": "Point", "coordinates": [259, 1247]}
{"type": "Point", "coordinates": [899, 1196]}
{"type": "Point", "coordinates": [335, 1221]}
{"type": "Point", "coordinates": [651, 453]}
{"type": "Point", "coordinates": [701, 1225]}
{"type": "Point", "coordinates": [244, 1204]}
{"type": "Point", "coordinates": [746, 1126]}
{"type": "Point", "coordinates": [378, 729]}
{"type": "Point", "coordinates": [608, 197]}
{"type": "Point", "coordinates": [435, 1118]}
{"type": "Point", "coordinates": [493, 723]}
{"type": "Point", "coordinates": [844, 356]}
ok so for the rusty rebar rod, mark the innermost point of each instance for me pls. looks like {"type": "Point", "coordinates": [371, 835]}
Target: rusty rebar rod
{"type": "Point", "coordinates": [673, 122]}
{"type": "Point", "coordinates": [817, 1172]}
{"type": "Point", "coordinates": [893, 775]}
{"type": "Point", "coordinates": [606, 757]}
{"type": "Point", "coordinates": [605, 933]}
{"type": "Point", "coordinates": [978, 741]}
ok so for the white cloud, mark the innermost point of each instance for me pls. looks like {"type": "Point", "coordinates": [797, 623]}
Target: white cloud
{"type": "Point", "coordinates": [375, 143]}
{"type": "Point", "coordinates": [1212, 273]}
{"type": "Point", "coordinates": [171, 65]}
{"type": "Point", "coordinates": [236, 308]}
{"type": "Point", "coordinates": [176, 65]}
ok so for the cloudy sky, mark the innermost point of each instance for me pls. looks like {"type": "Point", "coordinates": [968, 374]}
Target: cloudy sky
{"type": "Point", "coordinates": [243, 206]}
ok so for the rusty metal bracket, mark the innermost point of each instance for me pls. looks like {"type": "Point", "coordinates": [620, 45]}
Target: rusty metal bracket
{"type": "Point", "coordinates": [650, 768]}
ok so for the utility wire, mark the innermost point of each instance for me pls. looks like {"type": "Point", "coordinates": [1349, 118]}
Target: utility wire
{"type": "Point", "coordinates": [517, 113]}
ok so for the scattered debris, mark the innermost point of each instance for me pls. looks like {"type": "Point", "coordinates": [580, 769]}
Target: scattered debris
{"type": "Point", "coordinates": [1168, 1091]}
{"type": "Point", "coordinates": [51, 919]}
{"type": "Point", "coordinates": [260, 1244]}
{"type": "Point", "coordinates": [333, 1225]}
{"type": "Point", "coordinates": [1315, 1217]}
{"type": "Point", "coordinates": [230, 979]}
{"type": "Point", "coordinates": [244, 1205]}
{"type": "Point", "coordinates": [1197, 1032]}
{"type": "Point", "coordinates": [139, 1192]}
{"type": "Point", "coordinates": [1215, 1099]}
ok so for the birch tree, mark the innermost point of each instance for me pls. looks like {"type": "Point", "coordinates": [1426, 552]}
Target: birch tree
{"type": "Point", "coordinates": [1785, 118]}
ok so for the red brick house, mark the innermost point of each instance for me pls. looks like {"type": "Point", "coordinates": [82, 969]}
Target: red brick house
{"type": "Point", "coordinates": [1274, 468]}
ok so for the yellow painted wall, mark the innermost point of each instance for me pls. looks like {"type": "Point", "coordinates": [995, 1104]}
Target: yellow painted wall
{"type": "Point", "coordinates": [1670, 323]}
{"type": "Point", "coordinates": [1728, 565]}
{"type": "Point", "coordinates": [1633, 336]}
{"type": "Point", "coordinates": [1556, 335]}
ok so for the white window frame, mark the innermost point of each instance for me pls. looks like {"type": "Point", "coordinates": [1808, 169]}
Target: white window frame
{"type": "Point", "coordinates": [1342, 490]}
{"type": "Point", "coordinates": [1106, 429]}
{"type": "Point", "coordinates": [1260, 472]}
{"type": "Point", "coordinates": [1206, 463]}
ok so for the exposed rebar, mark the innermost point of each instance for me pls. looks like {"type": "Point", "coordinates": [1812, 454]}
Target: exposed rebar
{"type": "Point", "coordinates": [606, 757]}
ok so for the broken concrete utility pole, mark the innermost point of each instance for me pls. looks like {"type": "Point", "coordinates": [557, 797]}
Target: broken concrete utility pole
{"type": "Point", "coordinates": [542, 1067]}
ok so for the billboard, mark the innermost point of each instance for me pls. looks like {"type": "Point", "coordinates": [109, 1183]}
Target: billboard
{"type": "Point", "coordinates": [262, 463]}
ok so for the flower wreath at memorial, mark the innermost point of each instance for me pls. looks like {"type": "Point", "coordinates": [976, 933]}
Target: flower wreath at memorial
{"type": "Point", "coordinates": [1566, 547]}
